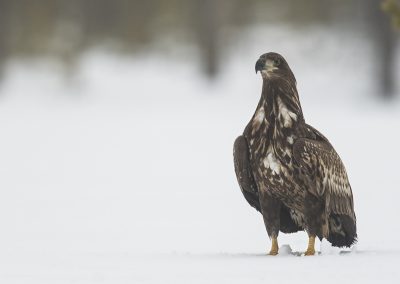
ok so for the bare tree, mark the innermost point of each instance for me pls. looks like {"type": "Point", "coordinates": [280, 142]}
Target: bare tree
{"type": "Point", "coordinates": [207, 27]}
{"type": "Point", "coordinates": [384, 42]}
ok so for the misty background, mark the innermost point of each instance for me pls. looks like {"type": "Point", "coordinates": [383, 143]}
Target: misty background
{"type": "Point", "coordinates": [208, 30]}
{"type": "Point", "coordinates": [118, 118]}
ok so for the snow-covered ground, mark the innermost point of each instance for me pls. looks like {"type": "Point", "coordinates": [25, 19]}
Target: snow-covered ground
{"type": "Point", "coordinates": [123, 173]}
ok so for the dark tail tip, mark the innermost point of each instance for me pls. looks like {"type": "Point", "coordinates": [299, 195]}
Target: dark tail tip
{"type": "Point", "coordinates": [342, 230]}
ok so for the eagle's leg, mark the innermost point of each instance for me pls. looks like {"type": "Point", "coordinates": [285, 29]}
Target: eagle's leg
{"type": "Point", "coordinates": [311, 243]}
{"type": "Point", "coordinates": [274, 246]}
{"type": "Point", "coordinates": [314, 218]}
{"type": "Point", "coordinates": [271, 208]}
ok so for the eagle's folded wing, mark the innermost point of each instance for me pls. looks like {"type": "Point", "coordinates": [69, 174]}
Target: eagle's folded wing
{"type": "Point", "coordinates": [243, 172]}
{"type": "Point", "coordinates": [327, 175]}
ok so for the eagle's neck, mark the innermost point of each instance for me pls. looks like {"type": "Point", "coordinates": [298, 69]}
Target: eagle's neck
{"type": "Point", "coordinates": [282, 100]}
{"type": "Point", "coordinates": [278, 118]}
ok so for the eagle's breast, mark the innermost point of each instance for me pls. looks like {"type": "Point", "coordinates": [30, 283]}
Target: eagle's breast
{"type": "Point", "coordinates": [271, 133]}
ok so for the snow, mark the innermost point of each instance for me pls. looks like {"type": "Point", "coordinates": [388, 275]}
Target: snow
{"type": "Point", "coordinates": [124, 173]}
{"type": "Point", "coordinates": [206, 268]}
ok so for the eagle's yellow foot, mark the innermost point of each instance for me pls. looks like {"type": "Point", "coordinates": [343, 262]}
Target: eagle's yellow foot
{"type": "Point", "coordinates": [274, 247]}
{"type": "Point", "coordinates": [310, 249]}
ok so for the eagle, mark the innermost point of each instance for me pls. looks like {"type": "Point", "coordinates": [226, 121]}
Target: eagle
{"type": "Point", "coordinates": [287, 170]}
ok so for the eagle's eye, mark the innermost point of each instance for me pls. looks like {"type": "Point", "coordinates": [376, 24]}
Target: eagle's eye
{"type": "Point", "coordinates": [277, 62]}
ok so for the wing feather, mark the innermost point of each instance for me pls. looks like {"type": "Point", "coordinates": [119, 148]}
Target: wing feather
{"type": "Point", "coordinates": [244, 174]}
{"type": "Point", "coordinates": [326, 173]}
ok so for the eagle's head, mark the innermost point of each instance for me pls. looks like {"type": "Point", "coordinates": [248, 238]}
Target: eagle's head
{"type": "Point", "coordinates": [272, 65]}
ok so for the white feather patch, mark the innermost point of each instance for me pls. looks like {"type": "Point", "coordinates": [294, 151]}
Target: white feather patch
{"type": "Point", "coordinates": [271, 162]}
{"type": "Point", "coordinates": [290, 139]}
{"type": "Point", "coordinates": [260, 115]}
{"type": "Point", "coordinates": [286, 115]}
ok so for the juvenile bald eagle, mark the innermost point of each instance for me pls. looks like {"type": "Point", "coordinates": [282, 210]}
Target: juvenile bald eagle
{"type": "Point", "coordinates": [288, 170]}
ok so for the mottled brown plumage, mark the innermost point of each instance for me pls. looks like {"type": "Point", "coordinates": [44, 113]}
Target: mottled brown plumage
{"type": "Point", "coordinates": [288, 170]}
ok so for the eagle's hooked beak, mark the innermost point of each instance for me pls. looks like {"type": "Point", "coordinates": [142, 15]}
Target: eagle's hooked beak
{"type": "Point", "coordinates": [260, 65]}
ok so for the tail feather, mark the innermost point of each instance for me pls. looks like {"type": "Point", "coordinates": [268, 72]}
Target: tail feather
{"type": "Point", "coordinates": [342, 230]}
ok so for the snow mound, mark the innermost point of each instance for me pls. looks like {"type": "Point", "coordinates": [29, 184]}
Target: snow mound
{"type": "Point", "coordinates": [285, 250]}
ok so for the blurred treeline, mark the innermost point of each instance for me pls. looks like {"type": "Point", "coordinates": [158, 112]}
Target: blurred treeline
{"type": "Point", "coordinates": [64, 29]}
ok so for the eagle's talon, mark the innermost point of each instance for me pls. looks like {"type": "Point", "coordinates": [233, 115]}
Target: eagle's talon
{"type": "Point", "coordinates": [310, 249]}
{"type": "Point", "coordinates": [309, 252]}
